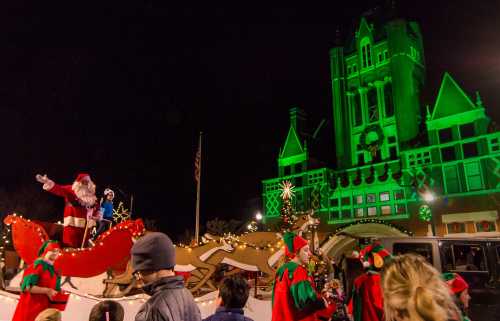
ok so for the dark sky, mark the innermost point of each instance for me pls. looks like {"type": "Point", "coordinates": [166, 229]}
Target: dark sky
{"type": "Point", "coordinates": [122, 92]}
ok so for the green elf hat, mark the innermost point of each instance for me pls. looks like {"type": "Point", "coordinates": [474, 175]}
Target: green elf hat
{"type": "Point", "coordinates": [48, 246]}
{"type": "Point", "coordinates": [374, 256]}
{"type": "Point", "coordinates": [293, 243]}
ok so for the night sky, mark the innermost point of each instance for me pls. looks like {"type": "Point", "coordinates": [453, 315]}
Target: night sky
{"type": "Point", "coordinates": [122, 92]}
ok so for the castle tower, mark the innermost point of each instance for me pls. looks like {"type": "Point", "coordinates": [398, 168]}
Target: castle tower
{"type": "Point", "coordinates": [376, 83]}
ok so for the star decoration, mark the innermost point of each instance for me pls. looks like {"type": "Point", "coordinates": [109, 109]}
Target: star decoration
{"type": "Point", "coordinates": [287, 190]}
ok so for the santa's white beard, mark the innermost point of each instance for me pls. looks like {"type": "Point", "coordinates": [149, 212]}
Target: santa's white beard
{"type": "Point", "coordinates": [85, 193]}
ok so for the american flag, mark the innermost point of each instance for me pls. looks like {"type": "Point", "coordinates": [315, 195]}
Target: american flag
{"type": "Point", "coordinates": [197, 163]}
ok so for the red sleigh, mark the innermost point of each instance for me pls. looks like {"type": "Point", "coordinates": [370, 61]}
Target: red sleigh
{"type": "Point", "coordinates": [111, 250]}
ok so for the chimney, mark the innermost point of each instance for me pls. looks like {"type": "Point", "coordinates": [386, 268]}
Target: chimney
{"type": "Point", "coordinates": [298, 119]}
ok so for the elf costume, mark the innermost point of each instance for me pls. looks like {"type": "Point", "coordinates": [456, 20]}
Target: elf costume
{"type": "Point", "coordinates": [294, 295]}
{"type": "Point", "coordinates": [457, 285]}
{"type": "Point", "coordinates": [41, 273]}
{"type": "Point", "coordinates": [367, 302]}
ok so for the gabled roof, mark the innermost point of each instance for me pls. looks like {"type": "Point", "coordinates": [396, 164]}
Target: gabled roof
{"type": "Point", "coordinates": [293, 146]}
{"type": "Point", "coordinates": [451, 100]}
{"type": "Point", "coordinates": [364, 29]}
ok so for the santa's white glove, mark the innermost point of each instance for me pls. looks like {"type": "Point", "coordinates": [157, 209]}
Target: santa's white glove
{"type": "Point", "coordinates": [42, 179]}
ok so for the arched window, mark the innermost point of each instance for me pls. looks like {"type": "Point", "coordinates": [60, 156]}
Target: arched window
{"type": "Point", "coordinates": [366, 52]}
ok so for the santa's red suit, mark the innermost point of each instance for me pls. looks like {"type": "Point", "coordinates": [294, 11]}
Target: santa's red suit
{"type": "Point", "coordinates": [79, 206]}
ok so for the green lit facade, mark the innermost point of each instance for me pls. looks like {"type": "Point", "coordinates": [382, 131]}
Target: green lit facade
{"type": "Point", "coordinates": [391, 147]}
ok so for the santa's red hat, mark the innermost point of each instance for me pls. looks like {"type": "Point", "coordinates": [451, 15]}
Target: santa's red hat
{"type": "Point", "coordinates": [81, 176]}
{"type": "Point", "coordinates": [293, 244]}
{"type": "Point", "coordinates": [456, 283]}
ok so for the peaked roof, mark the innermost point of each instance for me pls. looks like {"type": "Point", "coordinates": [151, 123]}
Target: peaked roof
{"type": "Point", "coordinates": [364, 28]}
{"type": "Point", "coordinates": [293, 146]}
{"type": "Point", "coordinates": [451, 99]}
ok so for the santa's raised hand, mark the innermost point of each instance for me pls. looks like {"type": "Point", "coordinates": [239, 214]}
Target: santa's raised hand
{"type": "Point", "coordinates": [42, 179]}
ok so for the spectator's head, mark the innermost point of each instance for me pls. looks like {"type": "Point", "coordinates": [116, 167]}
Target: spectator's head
{"type": "Point", "coordinates": [233, 292]}
{"type": "Point", "coordinates": [107, 311]}
{"type": "Point", "coordinates": [153, 257]}
{"type": "Point", "coordinates": [414, 290]}
{"type": "Point", "coordinates": [49, 315]}
{"type": "Point", "coordinates": [459, 288]}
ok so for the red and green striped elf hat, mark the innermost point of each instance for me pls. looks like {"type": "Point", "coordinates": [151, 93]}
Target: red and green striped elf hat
{"type": "Point", "coordinates": [293, 243]}
{"type": "Point", "coordinates": [374, 256]}
{"type": "Point", "coordinates": [48, 246]}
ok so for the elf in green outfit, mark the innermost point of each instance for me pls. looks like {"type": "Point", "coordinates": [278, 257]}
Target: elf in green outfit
{"type": "Point", "coordinates": [367, 302]}
{"type": "Point", "coordinates": [40, 283]}
{"type": "Point", "coordinates": [294, 294]}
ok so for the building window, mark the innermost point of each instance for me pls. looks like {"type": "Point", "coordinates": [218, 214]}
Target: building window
{"type": "Point", "coordinates": [386, 54]}
{"type": "Point", "coordinates": [388, 100]}
{"type": "Point", "coordinates": [391, 139]}
{"type": "Point", "coordinates": [361, 158]}
{"type": "Point", "coordinates": [473, 176]}
{"type": "Point", "coordinates": [334, 202]}
{"type": "Point", "coordinates": [358, 199]}
{"type": "Point", "coordinates": [346, 201]}
{"type": "Point", "coordinates": [470, 150]}
{"type": "Point", "coordinates": [451, 179]}
{"type": "Point", "coordinates": [445, 135]}
{"type": "Point", "coordinates": [393, 152]}
{"type": "Point", "coordinates": [400, 209]}
{"type": "Point", "coordinates": [370, 198]}
{"type": "Point", "coordinates": [366, 53]}
{"type": "Point", "coordinates": [485, 226]}
{"type": "Point", "coordinates": [360, 212]}
{"type": "Point", "coordinates": [372, 211]}
{"type": "Point", "coordinates": [384, 197]}
{"type": "Point", "coordinates": [455, 227]}
{"type": "Point", "coordinates": [372, 105]}
{"type": "Point", "coordinates": [287, 170]}
{"type": "Point", "coordinates": [380, 58]}
{"type": "Point", "coordinates": [448, 154]}
{"type": "Point", "coordinates": [386, 210]}
{"type": "Point", "coordinates": [354, 68]}
{"type": "Point", "coordinates": [356, 109]}
{"type": "Point", "coordinates": [399, 194]}
{"type": "Point", "coordinates": [345, 214]}
{"type": "Point", "coordinates": [467, 130]}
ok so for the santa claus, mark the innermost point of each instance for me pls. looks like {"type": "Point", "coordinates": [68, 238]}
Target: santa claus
{"type": "Point", "coordinates": [80, 204]}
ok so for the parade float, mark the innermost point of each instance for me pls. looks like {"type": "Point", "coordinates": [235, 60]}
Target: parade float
{"type": "Point", "coordinates": [103, 271]}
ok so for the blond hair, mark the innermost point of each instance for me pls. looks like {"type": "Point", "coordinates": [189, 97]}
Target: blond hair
{"type": "Point", "coordinates": [414, 290]}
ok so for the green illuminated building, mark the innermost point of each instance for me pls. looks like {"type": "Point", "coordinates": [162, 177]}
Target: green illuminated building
{"type": "Point", "coordinates": [393, 150]}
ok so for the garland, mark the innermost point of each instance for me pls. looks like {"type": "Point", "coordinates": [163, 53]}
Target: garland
{"type": "Point", "coordinates": [380, 137]}
{"type": "Point", "coordinates": [371, 220]}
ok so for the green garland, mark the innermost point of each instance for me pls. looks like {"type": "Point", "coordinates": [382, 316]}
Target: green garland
{"type": "Point", "coordinates": [368, 129]}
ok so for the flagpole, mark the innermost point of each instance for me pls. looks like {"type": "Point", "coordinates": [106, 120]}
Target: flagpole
{"type": "Point", "coordinates": [197, 227]}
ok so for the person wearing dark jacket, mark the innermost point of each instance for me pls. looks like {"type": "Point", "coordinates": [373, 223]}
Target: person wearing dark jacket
{"type": "Point", "coordinates": [153, 261]}
{"type": "Point", "coordinates": [233, 295]}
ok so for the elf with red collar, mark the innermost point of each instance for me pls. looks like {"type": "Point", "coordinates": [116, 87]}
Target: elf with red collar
{"type": "Point", "coordinates": [367, 302]}
{"type": "Point", "coordinates": [294, 295]}
{"type": "Point", "coordinates": [460, 289]}
{"type": "Point", "coordinates": [40, 283]}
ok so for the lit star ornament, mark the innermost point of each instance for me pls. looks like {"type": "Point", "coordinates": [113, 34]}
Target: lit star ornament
{"type": "Point", "coordinates": [287, 190]}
